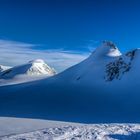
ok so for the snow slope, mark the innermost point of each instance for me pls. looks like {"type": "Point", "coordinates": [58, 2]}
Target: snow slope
{"type": "Point", "coordinates": [13, 126]}
{"type": "Point", "coordinates": [83, 132]}
{"type": "Point", "coordinates": [104, 88]}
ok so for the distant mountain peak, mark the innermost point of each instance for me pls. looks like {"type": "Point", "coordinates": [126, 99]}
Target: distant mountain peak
{"type": "Point", "coordinates": [3, 68]}
{"type": "Point", "coordinates": [39, 67]}
{"type": "Point", "coordinates": [32, 68]}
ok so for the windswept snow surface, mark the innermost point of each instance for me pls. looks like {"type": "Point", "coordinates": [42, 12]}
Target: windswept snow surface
{"type": "Point", "coordinates": [14, 126]}
{"type": "Point", "coordinates": [83, 132]}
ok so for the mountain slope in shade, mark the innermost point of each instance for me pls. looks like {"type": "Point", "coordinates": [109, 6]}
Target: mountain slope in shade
{"type": "Point", "coordinates": [32, 68]}
{"type": "Point", "coordinates": [103, 88]}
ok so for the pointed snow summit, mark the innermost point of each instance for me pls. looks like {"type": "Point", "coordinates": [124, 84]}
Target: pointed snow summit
{"type": "Point", "coordinates": [39, 67]}
{"type": "Point", "coordinates": [32, 68]}
{"type": "Point", "coordinates": [3, 68]}
{"type": "Point", "coordinates": [107, 48]}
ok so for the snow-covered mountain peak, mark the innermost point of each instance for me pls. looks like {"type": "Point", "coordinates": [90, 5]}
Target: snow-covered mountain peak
{"type": "Point", "coordinates": [32, 68]}
{"type": "Point", "coordinates": [3, 68]}
{"type": "Point", "coordinates": [39, 67]}
{"type": "Point", "coordinates": [107, 48]}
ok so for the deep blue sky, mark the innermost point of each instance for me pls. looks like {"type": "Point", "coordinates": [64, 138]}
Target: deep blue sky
{"type": "Point", "coordinates": [71, 24]}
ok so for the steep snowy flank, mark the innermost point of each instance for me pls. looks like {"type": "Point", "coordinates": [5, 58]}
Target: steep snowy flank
{"type": "Point", "coordinates": [105, 64]}
{"type": "Point", "coordinates": [85, 132]}
{"type": "Point", "coordinates": [116, 69]}
{"type": "Point", "coordinates": [96, 67]}
{"type": "Point", "coordinates": [32, 68]}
